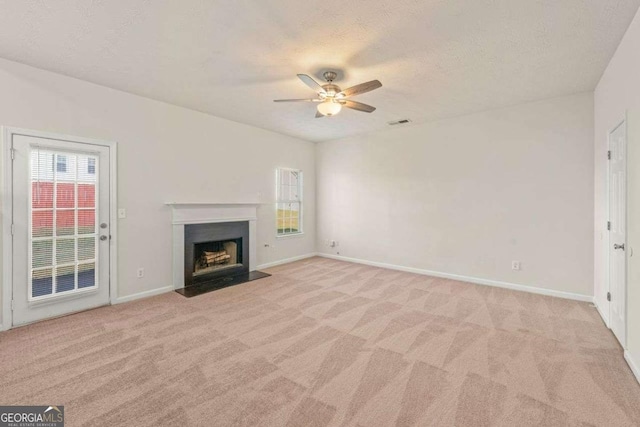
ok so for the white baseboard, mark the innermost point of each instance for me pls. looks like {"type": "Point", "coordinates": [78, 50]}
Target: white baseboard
{"type": "Point", "coordinates": [166, 289]}
{"type": "Point", "coordinates": [145, 294]}
{"type": "Point", "coordinates": [605, 319]}
{"type": "Point", "coordinates": [476, 280]}
{"type": "Point", "coordinates": [286, 261]}
{"type": "Point", "coordinates": [632, 364]}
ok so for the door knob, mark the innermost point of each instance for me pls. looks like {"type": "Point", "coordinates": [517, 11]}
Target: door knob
{"type": "Point", "coordinates": [103, 237]}
{"type": "Point", "coordinates": [617, 246]}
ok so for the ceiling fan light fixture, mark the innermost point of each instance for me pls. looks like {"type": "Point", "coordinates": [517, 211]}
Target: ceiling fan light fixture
{"type": "Point", "coordinates": [331, 98]}
{"type": "Point", "coordinates": [329, 108]}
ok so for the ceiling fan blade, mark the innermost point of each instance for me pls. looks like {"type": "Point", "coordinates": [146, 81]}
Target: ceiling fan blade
{"type": "Point", "coordinates": [319, 115]}
{"type": "Point", "coordinates": [361, 88]}
{"type": "Point", "coordinates": [311, 83]}
{"type": "Point", "coordinates": [298, 100]}
{"type": "Point", "coordinates": [358, 106]}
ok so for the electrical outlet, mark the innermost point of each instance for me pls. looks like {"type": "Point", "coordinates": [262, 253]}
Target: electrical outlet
{"type": "Point", "coordinates": [333, 244]}
{"type": "Point", "coordinates": [122, 213]}
{"type": "Point", "coordinates": [515, 265]}
{"type": "Point", "coordinates": [140, 273]}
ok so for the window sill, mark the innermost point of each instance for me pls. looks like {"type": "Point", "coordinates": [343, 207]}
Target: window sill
{"type": "Point", "coordinates": [284, 236]}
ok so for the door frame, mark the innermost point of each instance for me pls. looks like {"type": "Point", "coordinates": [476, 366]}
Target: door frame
{"type": "Point", "coordinates": [7, 208]}
{"type": "Point", "coordinates": [622, 122]}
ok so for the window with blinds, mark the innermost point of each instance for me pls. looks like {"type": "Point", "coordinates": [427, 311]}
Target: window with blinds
{"type": "Point", "coordinates": [289, 202]}
{"type": "Point", "coordinates": [63, 231]}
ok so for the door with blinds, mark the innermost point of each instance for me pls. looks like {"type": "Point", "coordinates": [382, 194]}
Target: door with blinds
{"type": "Point", "coordinates": [60, 227]}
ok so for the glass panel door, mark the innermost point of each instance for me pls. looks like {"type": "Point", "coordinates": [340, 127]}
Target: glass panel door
{"type": "Point", "coordinates": [61, 193]}
{"type": "Point", "coordinates": [64, 233]}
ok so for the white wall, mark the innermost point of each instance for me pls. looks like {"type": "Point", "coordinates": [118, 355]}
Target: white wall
{"type": "Point", "coordinates": [166, 153]}
{"type": "Point", "coordinates": [468, 195]}
{"type": "Point", "coordinates": [617, 94]}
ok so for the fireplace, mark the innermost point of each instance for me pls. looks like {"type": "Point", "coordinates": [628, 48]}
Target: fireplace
{"type": "Point", "coordinates": [215, 250]}
{"type": "Point", "coordinates": [214, 246]}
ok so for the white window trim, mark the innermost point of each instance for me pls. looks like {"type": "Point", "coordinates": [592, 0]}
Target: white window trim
{"type": "Point", "coordinates": [300, 200]}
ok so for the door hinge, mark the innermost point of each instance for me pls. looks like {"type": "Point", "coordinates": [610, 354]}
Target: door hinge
{"type": "Point", "coordinates": [13, 305]}
{"type": "Point", "coordinates": [13, 229]}
{"type": "Point", "coordinates": [608, 296]}
{"type": "Point", "coordinates": [609, 155]}
{"type": "Point", "coordinates": [13, 153]}
{"type": "Point", "coordinates": [609, 225]}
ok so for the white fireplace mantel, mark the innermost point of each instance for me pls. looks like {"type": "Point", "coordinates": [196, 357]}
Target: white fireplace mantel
{"type": "Point", "coordinates": [203, 213]}
{"type": "Point", "coordinates": [199, 213]}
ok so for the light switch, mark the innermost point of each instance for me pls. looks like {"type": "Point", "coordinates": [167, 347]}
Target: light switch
{"type": "Point", "coordinates": [122, 213]}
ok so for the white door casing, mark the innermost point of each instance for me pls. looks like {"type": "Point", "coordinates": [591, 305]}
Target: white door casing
{"type": "Point", "coordinates": [618, 232]}
{"type": "Point", "coordinates": [61, 215]}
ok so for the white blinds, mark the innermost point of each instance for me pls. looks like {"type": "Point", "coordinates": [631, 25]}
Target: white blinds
{"type": "Point", "coordinates": [62, 223]}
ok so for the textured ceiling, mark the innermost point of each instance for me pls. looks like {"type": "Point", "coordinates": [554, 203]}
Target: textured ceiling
{"type": "Point", "coordinates": [435, 58]}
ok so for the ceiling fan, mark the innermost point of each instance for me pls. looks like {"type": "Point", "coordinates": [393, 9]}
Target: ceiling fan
{"type": "Point", "coordinates": [331, 98]}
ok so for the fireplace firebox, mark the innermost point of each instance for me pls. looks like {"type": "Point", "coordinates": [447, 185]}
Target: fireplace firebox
{"type": "Point", "coordinates": [217, 255]}
{"type": "Point", "coordinates": [215, 250]}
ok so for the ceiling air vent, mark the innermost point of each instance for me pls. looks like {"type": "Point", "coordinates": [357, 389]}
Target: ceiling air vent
{"type": "Point", "coordinates": [399, 122]}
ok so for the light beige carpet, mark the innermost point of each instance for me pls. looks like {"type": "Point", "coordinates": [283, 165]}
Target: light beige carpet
{"type": "Point", "coordinates": [327, 343]}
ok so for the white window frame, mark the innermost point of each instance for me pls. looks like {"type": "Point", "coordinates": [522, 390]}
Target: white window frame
{"type": "Point", "coordinates": [281, 199]}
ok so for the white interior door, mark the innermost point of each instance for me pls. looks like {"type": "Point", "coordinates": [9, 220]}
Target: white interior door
{"type": "Point", "coordinates": [61, 227]}
{"type": "Point", "coordinates": [618, 233]}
